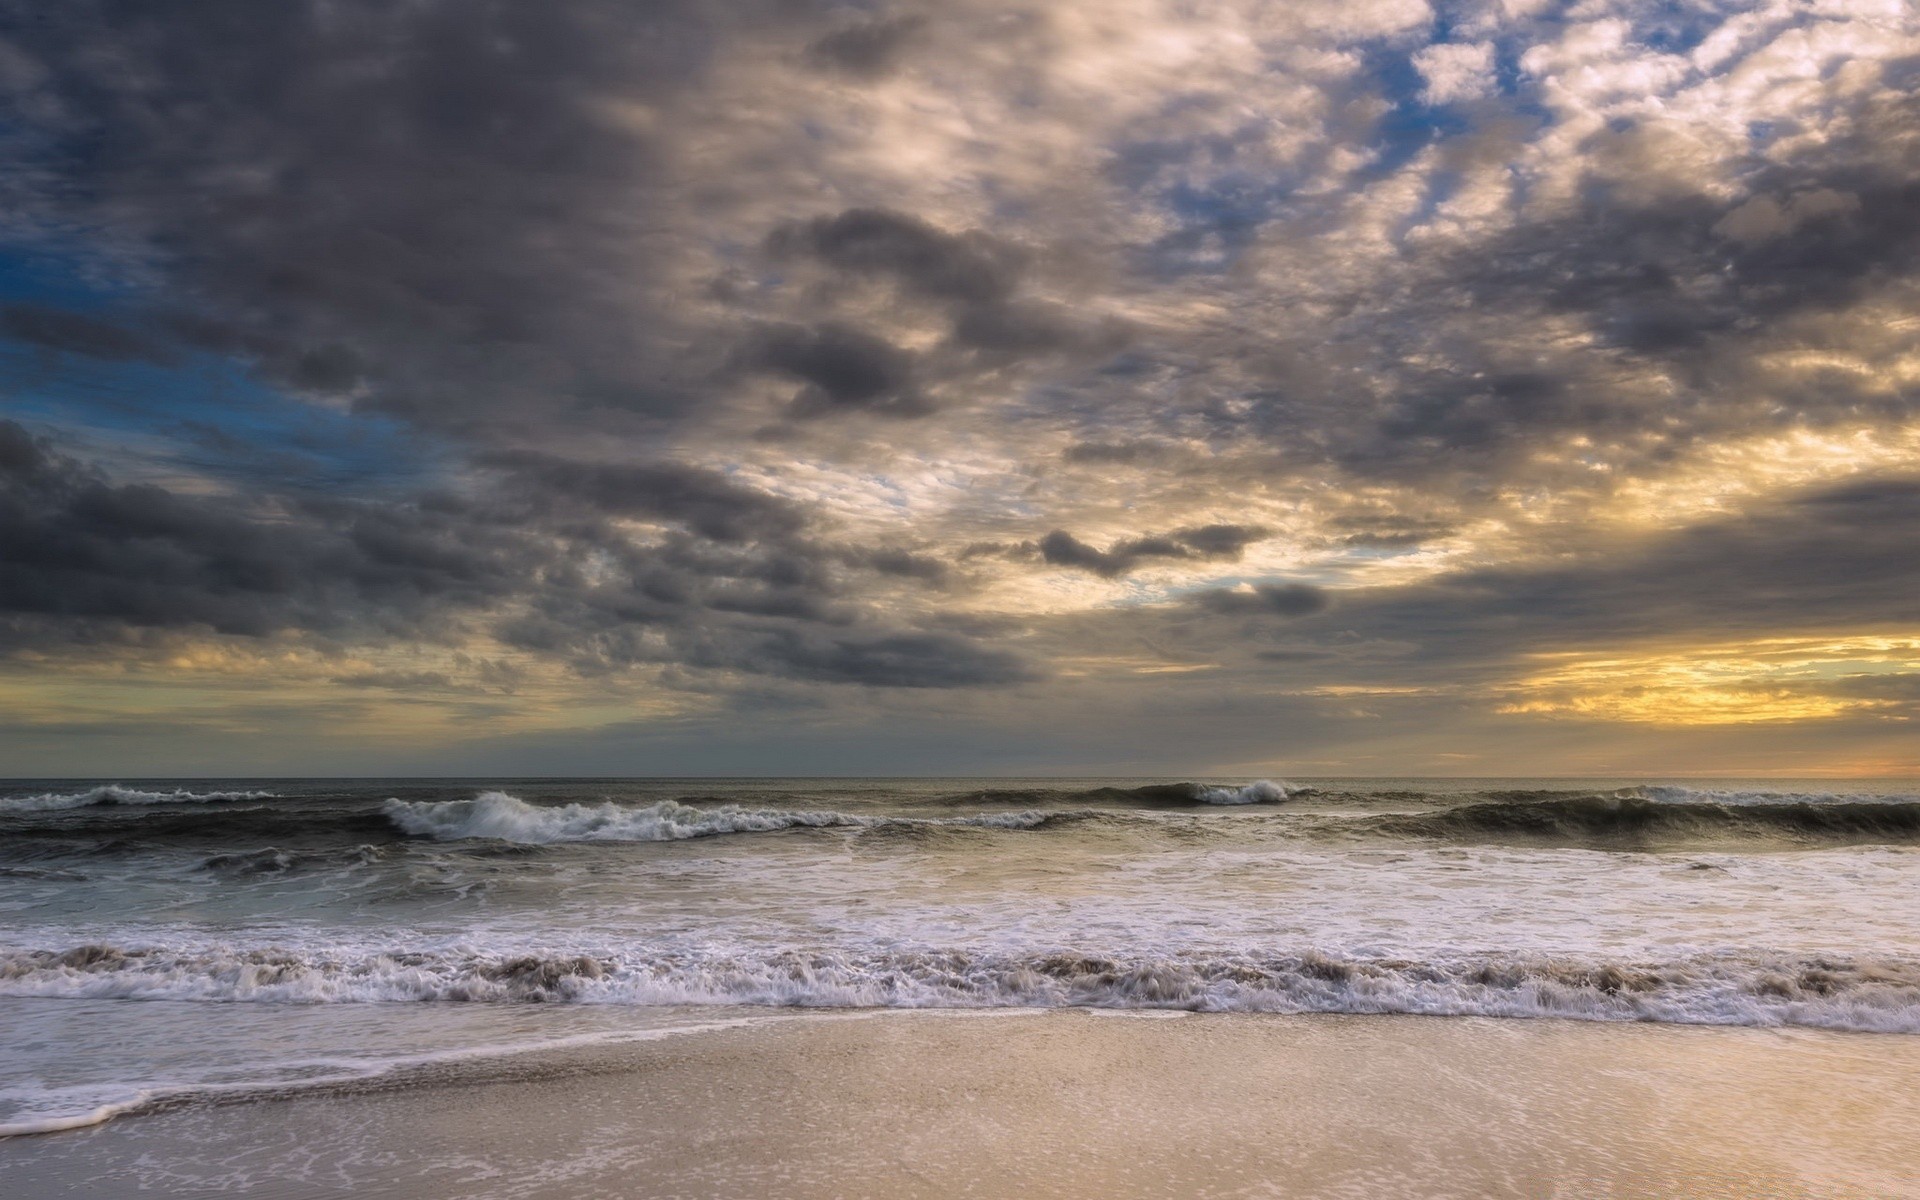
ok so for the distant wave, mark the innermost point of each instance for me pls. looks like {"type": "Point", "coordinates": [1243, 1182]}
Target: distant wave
{"type": "Point", "coordinates": [1881, 995]}
{"type": "Point", "coordinates": [1624, 820]}
{"type": "Point", "coordinates": [1674, 794]}
{"type": "Point", "coordinates": [1263, 791]}
{"type": "Point", "coordinates": [114, 793]}
{"type": "Point", "coordinates": [122, 820]}
{"type": "Point", "coordinates": [500, 816]}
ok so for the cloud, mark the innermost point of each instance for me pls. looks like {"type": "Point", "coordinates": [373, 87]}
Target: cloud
{"type": "Point", "coordinates": [1211, 542]}
{"type": "Point", "coordinates": [969, 267]}
{"type": "Point", "coordinates": [840, 370]}
{"type": "Point", "coordinates": [740, 350]}
{"type": "Point", "coordinates": [705, 502]}
{"type": "Point", "coordinates": [81, 548]}
{"type": "Point", "coordinates": [1287, 600]}
{"type": "Point", "coordinates": [924, 660]}
{"type": "Point", "coordinates": [1824, 561]}
{"type": "Point", "coordinates": [866, 49]}
{"type": "Point", "coordinates": [1455, 71]}
{"type": "Point", "coordinates": [76, 333]}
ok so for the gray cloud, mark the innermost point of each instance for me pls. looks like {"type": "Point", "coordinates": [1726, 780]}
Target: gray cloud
{"type": "Point", "coordinates": [1828, 562]}
{"type": "Point", "coordinates": [866, 49]}
{"type": "Point", "coordinates": [79, 547]}
{"type": "Point", "coordinates": [920, 660]}
{"type": "Point", "coordinates": [1286, 600]}
{"type": "Point", "coordinates": [1207, 542]}
{"type": "Point", "coordinates": [970, 267]}
{"type": "Point", "coordinates": [76, 333]}
{"type": "Point", "coordinates": [840, 369]}
{"type": "Point", "coordinates": [706, 502]}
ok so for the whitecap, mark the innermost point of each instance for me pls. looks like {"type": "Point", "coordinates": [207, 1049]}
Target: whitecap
{"type": "Point", "coordinates": [114, 793]}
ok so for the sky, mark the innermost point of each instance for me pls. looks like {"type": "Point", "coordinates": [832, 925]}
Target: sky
{"type": "Point", "coordinates": [1131, 387]}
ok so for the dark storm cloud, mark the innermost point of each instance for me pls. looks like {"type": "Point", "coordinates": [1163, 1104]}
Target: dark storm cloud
{"type": "Point", "coordinates": [1286, 600]}
{"type": "Point", "coordinates": [866, 49]}
{"type": "Point", "coordinates": [973, 278]}
{"type": "Point", "coordinates": [1206, 542]}
{"type": "Point", "coordinates": [969, 267]}
{"type": "Point", "coordinates": [102, 557]}
{"type": "Point", "coordinates": [423, 197]}
{"type": "Point", "coordinates": [1831, 559]}
{"type": "Point", "coordinates": [916, 660]}
{"type": "Point", "coordinates": [1826, 562]}
{"type": "Point", "coordinates": [1026, 329]}
{"type": "Point", "coordinates": [76, 333]}
{"type": "Point", "coordinates": [840, 369]}
{"type": "Point", "coordinates": [78, 546]}
{"type": "Point", "coordinates": [704, 501]}
{"type": "Point", "coordinates": [900, 563]}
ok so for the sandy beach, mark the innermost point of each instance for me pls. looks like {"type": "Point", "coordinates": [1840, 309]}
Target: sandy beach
{"type": "Point", "coordinates": [1071, 1103]}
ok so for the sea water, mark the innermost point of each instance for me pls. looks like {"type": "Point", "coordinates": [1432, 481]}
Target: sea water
{"type": "Point", "coordinates": [163, 941]}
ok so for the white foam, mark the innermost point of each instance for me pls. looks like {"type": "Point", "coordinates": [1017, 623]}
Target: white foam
{"type": "Point", "coordinates": [507, 818]}
{"type": "Point", "coordinates": [53, 1110]}
{"type": "Point", "coordinates": [1878, 995]}
{"type": "Point", "coordinates": [58, 1122]}
{"type": "Point", "coordinates": [114, 793]}
{"type": "Point", "coordinates": [1263, 791]}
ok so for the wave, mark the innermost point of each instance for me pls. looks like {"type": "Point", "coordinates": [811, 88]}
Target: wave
{"type": "Point", "coordinates": [272, 860]}
{"type": "Point", "coordinates": [55, 1110]}
{"type": "Point", "coordinates": [1263, 791]}
{"type": "Point", "coordinates": [106, 831]}
{"type": "Point", "coordinates": [1862, 994]}
{"type": "Point", "coordinates": [1632, 821]}
{"type": "Point", "coordinates": [499, 816]}
{"type": "Point", "coordinates": [99, 821]}
{"type": "Point", "coordinates": [1674, 794]}
{"type": "Point", "coordinates": [114, 793]}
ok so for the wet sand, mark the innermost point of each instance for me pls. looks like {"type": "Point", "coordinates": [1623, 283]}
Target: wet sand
{"type": "Point", "coordinates": [1066, 1103]}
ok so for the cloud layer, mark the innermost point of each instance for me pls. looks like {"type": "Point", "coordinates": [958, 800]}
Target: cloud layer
{"type": "Point", "coordinates": [1424, 382]}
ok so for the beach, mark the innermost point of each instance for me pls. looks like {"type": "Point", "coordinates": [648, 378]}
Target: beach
{"type": "Point", "coordinates": [1064, 1103]}
{"type": "Point", "coordinates": [1336, 987]}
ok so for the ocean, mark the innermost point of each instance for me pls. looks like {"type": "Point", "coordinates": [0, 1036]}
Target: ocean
{"type": "Point", "coordinates": [169, 941]}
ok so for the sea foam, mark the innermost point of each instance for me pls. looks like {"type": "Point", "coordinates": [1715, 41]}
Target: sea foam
{"type": "Point", "coordinates": [113, 793]}
{"type": "Point", "coordinates": [1264, 791]}
{"type": "Point", "coordinates": [502, 817]}
{"type": "Point", "coordinates": [1877, 994]}
{"type": "Point", "coordinates": [24, 1111]}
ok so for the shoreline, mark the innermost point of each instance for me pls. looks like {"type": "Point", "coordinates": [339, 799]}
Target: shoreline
{"type": "Point", "coordinates": [1064, 1102]}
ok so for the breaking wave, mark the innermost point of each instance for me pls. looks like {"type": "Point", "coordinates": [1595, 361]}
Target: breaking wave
{"type": "Point", "coordinates": [502, 817]}
{"type": "Point", "coordinates": [114, 793]}
{"type": "Point", "coordinates": [1673, 794]}
{"type": "Point", "coordinates": [1644, 822]}
{"type": "Point", "coordinates": [1875, 995]}
{"type": "Point", "coordinates": [1263, 791]}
